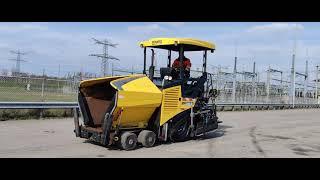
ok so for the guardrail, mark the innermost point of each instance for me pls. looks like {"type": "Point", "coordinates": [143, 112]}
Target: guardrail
{"type": "Point", "coordinates": [220, 106]}
{"type": "Point", "coordinates": [261, 106]}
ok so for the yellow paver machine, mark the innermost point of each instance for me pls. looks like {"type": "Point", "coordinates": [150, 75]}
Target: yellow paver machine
{"type": "Point", "coordinates": [145, 108]}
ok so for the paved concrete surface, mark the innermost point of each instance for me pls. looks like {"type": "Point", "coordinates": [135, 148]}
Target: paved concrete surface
{"type": "Point", "coordinates": [279, 133]}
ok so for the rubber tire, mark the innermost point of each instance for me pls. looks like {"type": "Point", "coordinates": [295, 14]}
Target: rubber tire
{"type": "Point", "coordinates": [147, 138]}
{"type": "Point", "coordinates": [181, 137]}
{"type": "Point", "coordinates": [128, 141]}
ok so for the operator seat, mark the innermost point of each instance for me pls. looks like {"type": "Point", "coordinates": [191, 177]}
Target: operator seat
{"type": "Point", "coordinates": [196, 89]}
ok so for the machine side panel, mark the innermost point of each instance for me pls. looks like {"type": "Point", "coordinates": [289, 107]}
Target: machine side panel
{"type": "Point", "coordinates": [138, 97]}
{"type": "Point", "coordinates": [173, 103]}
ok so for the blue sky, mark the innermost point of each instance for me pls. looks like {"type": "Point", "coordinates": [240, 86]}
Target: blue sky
{"type": "Point", "coordinates": [69, 44]}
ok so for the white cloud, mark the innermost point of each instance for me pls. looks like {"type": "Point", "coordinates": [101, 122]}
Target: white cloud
{"type": "Point", "coordinates": [13, 27]}
{"type": "Point", "coordinates": [70, 49]}
{"type": "Point", "coordinates": [176, 24]}
{"type": "Point", "coordinates": [33, 27]}
{"type": "Point", "coordinates": [146, 29]}
{"type": "Point", "coordinates": [3, 45]}
{"type": "Point", "coordinates": [276, 27]}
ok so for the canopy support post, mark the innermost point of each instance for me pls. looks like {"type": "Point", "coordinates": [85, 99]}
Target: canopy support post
{"type": "Point", "coordinates": [144, 60]}
{"type": "Point", "coordinates": [205, 61]}
{"type": "Point", "coordinates": [181, 61]}
{"type": "Point", "coordinates": [169, 58]}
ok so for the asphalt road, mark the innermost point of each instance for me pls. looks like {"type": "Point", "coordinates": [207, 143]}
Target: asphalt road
{"type": "Point", "coordinates": [262, 134]}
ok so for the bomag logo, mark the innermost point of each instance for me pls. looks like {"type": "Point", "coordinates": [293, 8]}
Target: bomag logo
{"type": "Point", "coordinates": [157, 42]}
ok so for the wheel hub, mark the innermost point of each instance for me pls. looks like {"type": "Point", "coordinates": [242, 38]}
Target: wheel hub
{"type": "Point", "coordinates": [130, 141]}
{"type": "Point", "coordinates": [150, 139]}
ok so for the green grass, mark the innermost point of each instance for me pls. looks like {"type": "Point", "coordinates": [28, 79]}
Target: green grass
{"type": "Point", "coordinates": [21, 94]}
{"type": "Point", "coordinates": [13, 91]}
{"type": "Point", "coordinates": [10, 114]}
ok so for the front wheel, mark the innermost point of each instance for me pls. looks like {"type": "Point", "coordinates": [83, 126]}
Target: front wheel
{"type": "Point", "coordinates": [180, 129]}
{"type": "Point", "coordinates": [128, 141]}
{"type": "Point", "coordinates": [147, 138]}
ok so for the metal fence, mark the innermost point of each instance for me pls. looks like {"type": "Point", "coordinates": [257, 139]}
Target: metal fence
{"type": "Point", "coordinates": [253, 90]}
{"type": "Point", "coordinates": [249, 88]}
{"type": "Point", "coordinates": [31, 89]}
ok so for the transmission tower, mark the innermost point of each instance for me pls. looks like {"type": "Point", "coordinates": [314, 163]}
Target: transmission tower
{"type": "Point", "coordinates": [104, 56]}
{"type": "Point", "coordinates": [18, 60]}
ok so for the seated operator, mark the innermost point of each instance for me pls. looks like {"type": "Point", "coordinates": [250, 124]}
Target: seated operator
{"type": "Point", "coordinates": [186, 65]}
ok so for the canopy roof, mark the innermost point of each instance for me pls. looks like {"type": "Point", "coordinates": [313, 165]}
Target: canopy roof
{"type": "Point", "coordinates": [174, 44]}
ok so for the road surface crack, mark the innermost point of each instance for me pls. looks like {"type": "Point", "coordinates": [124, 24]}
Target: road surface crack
{"type": "Point", "coordinates": [255, 141]}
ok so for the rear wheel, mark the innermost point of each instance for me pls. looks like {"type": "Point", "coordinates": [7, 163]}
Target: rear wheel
{"type": "Point", "coordinates": [128, 141]}
{"type": "Point", "coordinates": [147, 138]}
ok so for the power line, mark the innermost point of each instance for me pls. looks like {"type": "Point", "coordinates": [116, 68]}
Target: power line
{"type": "Point", "coordinates": [105, 56]}
{"type": "Point", "coordinates": [18, 59]}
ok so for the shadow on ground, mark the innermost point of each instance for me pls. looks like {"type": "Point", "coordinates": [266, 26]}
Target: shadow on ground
{"type": "Point", "coordinates": [222, 130]}
{"type": "Point", "coordinates": [210, 135]}
{"type": "Point", "coordinates": [115, 147]}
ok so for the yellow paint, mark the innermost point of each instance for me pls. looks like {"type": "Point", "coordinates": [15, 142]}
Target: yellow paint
{"type": "Point", "coordinates": [134, 117]}
{"type": "Point", "coordinates": [91, 82]}
{"type": "Point", "coordinates": [143, 84]}
{"type": "Point", "coordinates": [154, 42]}
{"type": "Point", "coordinates": [187, 104]}
{"type": "Point", "coordinates": [172, 104]}
{"type": "Point", "coordinates": [124, 78]}
{"type": "Point", "coordinates": [139, 98]}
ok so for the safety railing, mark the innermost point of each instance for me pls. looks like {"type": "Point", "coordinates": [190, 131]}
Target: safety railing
{"type": "Point", "coordinates": [220, 106]}
{"type": "Point", "coordinates": [262, 106]}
